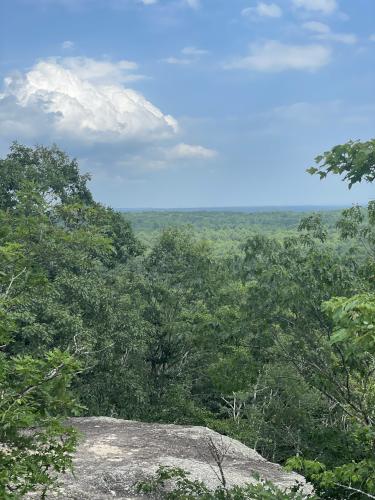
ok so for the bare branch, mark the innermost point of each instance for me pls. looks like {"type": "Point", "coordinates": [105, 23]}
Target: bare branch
{"type": "Point", "coordinates": [13, 279]}
{"type": "Point", "coordinates": [368, 495]}
{"type": "Point", "coordinates": [218, 451]}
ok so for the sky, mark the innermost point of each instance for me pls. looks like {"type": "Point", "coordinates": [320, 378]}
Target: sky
{"type": "Point", "coordinates": [192, 103]}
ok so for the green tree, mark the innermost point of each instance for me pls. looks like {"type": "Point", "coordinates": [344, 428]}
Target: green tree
{"type": "Point", "coordinates": [352, 339]}
{"type": "Point", "coordinates": [58, 249]}
{"type": "Point", "coordinates": [56, 176]}
{"type": "Point", "coordinates": [35, 392]}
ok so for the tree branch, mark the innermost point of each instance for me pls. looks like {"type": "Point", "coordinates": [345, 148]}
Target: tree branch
{"type": "Point", "coordinates": [368, 495]}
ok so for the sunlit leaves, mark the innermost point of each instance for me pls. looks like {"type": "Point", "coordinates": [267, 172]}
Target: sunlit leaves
{"type": "Point", "coordinates": [354, 320]}
{"type": "Point", "coordinates": [354, 160]}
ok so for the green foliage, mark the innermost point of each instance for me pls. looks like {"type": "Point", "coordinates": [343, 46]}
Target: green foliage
{"type": "Point", "coordinates": [354, 320]}
{"type": "Point", "coordinates": [352, 480]}
{"type": "Point", "coordinates": [57, 248]}
{"type": "Point", "coordinates": [225, 231]}
{"type": "Point", "coordinates": [56, 176]}
{"type": "Point", "coordinates": [355, 160]}
{"type": "Point", "coordinates": [34, 392]}
{"type": "Point", "coordinates": [260, 326]}
{"type": "Point", "coordinates": [173, 483]}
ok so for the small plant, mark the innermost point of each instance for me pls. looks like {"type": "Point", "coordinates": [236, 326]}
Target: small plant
{"type": "Point", "coordinates": [172, 483]}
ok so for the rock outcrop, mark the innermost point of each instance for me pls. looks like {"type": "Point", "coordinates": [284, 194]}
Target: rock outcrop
{"type": "Point", "coordinates": [114, 454]}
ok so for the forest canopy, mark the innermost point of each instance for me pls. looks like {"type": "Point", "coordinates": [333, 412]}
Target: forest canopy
{"type": "Point", "coordinates": [273, 344]}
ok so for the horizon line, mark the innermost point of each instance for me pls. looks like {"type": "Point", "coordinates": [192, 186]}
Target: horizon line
{"type": "Point", "coordinates": [231, 207]}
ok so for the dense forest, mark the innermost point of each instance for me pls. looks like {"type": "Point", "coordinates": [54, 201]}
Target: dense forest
{"type": "Point", "coordinates": [272, 344]}
{"type": "Point", "coordinates": [226, 231]}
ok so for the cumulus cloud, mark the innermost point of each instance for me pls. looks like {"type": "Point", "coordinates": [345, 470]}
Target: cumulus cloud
{"type": "Point", "coordinates": [263, 10]}
{"type": "Point", "coordinates": [322, 31]}
{"type": "Point", "coordinates": [99, 70]}
{"type": "Point", "coordinates": [84, 106]}
{"type": "Point", "coordinates": [323, 6]}
{"type": "Point", "coordinates": [85, 99]}
{"type": "Point", "coordinates": [274, 56]}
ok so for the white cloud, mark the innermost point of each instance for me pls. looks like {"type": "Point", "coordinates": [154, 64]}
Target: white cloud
{"type": "Point", "coordinates": [83, 105]}
{"type": "Point", "coordinates": [194, 55]}
{"type": "Point", "coordinates": [194, 51]}
{"type": "Point", "coordinates": [323, 32]}
{"type": "Point", "coordinates": [317, 27]}
{"type": "Point", "coordinates": [64, 3]}
{"type": "Point", "coordinates": [323, 6]}
{"type": "Point", "coordinates": [100, 71]}
{"type": "Point", "coordinates": [348, 38]}
{"type": "Point", "coordinates": [372, 38]}
{"type": "Point", "coordinates": [263, 10]}
{"type": "Point", "coordinates": [68, 44]}
{"type": "Point", "coordinates": [274, 56]}
{"type": "Point", "coordinates": [149, 2]}
{"type": "Point", "coordinates": [153, 158]}
{"type": "Point", "coordinates": [177, 60]}
{"type": "Point", "coordinates": [188, 151]}
{"type": "Point", "coordinates": [85, 100]}
{"type": "Point", "coordinates": [164, 158]}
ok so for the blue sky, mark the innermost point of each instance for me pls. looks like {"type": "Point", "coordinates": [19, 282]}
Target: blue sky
{"type": "Point", "coordinates": [186, 103]}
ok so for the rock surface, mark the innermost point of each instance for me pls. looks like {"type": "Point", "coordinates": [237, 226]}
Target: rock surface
{"type": "Point", "coordinates": [114, 454]}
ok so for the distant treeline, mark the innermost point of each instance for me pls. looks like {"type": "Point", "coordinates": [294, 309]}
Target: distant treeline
{"type": "Point", "coordinates": [226, 231]}
{"type": "Point", "coordinates": [203, 220]}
